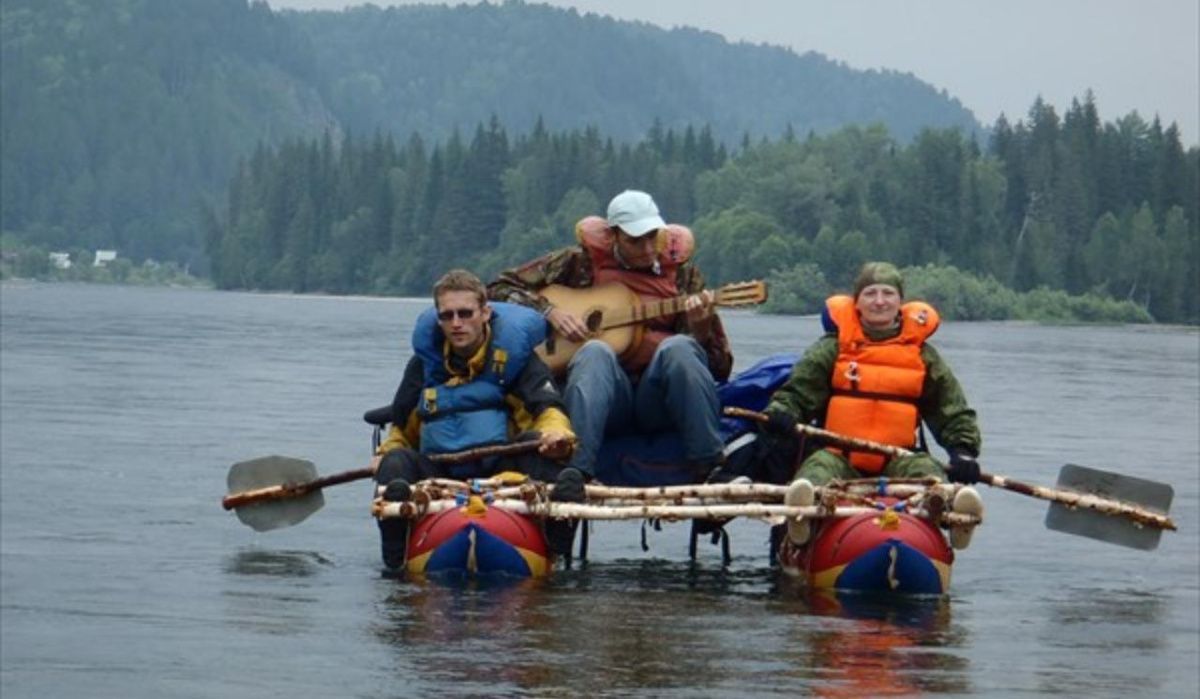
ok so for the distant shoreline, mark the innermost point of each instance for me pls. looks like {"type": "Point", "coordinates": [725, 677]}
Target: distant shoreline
{"type": "Point", "coordinates": [203, 285]}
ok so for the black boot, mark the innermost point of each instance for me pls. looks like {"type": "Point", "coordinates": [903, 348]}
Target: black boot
{"type": "Point", "coordinates": [710, 472]}
{"type": "Point", "coordinates": [393, 531]}
{"type": "Point", "coordinates": [560, 533]}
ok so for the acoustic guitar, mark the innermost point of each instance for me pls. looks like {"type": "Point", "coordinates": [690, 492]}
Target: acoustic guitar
{"type": "Point", "coordinates": [616, 315]}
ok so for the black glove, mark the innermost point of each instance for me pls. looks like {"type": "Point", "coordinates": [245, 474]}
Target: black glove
{"type": "Point", "coordinates": [963, 468]}
{"type": "Point", "coordinates": [781, 423]}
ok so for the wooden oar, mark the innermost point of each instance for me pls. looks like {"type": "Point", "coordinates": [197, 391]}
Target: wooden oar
{"type": "Point", "coordinates": [278, 491]}
{"type": "Point", "coordinates": [1097, 504]}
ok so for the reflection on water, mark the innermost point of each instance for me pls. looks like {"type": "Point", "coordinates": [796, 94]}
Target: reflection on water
{"type": "Point", "coordinates": [483, 636]}
{"type": "Point", "coordinates": [285, 607]}
{"type": "Point", "coordinates": [284, 564]}
{"type": "Point", "coordinates": [858, 645]}
{"type": "Point", "coordinates": [1110, 628]}
{"type": "Point", "coordinates": [1086, 605]}
{"type": "Point", "coordinates": [620, 627]}
{"type": "Point", "coordinates": [666, 627]}
{"type": "Point", "coordinates": [630, 575]}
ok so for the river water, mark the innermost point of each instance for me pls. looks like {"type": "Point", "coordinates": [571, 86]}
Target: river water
{"type": "Point", "coordinates": [121, 576]}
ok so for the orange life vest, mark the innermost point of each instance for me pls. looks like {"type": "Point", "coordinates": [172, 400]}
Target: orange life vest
{"type": "Point", "coordinates": [876, 384]}
{"type": "Point", "coordinates": [675, 244]}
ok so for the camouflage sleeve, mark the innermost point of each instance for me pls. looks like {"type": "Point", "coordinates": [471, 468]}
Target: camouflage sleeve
{"type": "Point", "coordinates": [805, 395]}
{"type": "Point", "coordinates": [567, 266]}
{"type": "Point", "coordinates": [690, 280]}
{"type": "Point", "coordinates": [944, 406]}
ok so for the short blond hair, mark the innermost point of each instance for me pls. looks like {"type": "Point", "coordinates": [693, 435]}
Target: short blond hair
{"type": "Point", "coordinates": [460, 280]}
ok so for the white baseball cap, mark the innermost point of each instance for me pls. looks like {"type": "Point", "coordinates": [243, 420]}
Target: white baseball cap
{"type": "Point", "coordinates": [635, 213]}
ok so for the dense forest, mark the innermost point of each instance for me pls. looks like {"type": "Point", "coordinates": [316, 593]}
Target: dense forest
{"type": "Point", "coordinates": [370, 149]}
{"type": "Point", "coordinates": [120, 119]}
{"type": "Point", "coordinates": [1069, 204]}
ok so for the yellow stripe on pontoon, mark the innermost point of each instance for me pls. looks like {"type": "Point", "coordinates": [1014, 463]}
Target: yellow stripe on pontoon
{"type": "Point", "coordinates": [826, 578]}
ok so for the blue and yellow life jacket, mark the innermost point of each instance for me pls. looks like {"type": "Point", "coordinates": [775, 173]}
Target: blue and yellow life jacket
{"type": "Point", "coordinates": [462, 412]}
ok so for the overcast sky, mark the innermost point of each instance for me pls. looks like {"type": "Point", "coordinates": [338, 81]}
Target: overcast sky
{"type": "Point", "coordinates": [993, 55]}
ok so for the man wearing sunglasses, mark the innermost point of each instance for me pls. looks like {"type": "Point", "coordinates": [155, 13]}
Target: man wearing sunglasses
{"type": "Point", "coordinates": [664, 384]}
{"type": "Point", "coordinates": [474, 381]}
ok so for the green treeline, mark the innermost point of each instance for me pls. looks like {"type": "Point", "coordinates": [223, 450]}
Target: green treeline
{"type": "Point", "coordinates": [1071, 213]}
{"type": "Point", "coordinates": [22, 261]}
{"type": "Point", "coordinates": [119, 119]}
{"type": "Point", "coordinates": [223, 136]}
{"type": "Point", "coordinates": [376, 217]}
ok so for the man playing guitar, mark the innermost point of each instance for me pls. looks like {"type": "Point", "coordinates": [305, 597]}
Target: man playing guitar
{"type": "Point", "coordinates": [664, 381]}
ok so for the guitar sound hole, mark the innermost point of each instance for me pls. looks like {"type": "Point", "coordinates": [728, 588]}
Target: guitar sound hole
{"type": "Point", "coordinates": [593, 319]}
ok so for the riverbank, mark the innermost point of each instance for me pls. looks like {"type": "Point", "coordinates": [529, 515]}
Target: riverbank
{"type": "Point", "coordinates": [960, 295]}
{"type": "Point", "coordinates": [148, 274]}
{"type": "Point", "coordinates": [957, 295]}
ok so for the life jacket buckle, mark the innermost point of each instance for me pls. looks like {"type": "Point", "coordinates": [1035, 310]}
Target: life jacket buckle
{"type": "Point", "coordinates": [499, 362]}
{"type": "Point", "coordinates": [852, 374]}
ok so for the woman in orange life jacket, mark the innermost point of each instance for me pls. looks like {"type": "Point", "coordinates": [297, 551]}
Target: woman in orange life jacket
{"type": "Point", "coordinates": [874, 377]}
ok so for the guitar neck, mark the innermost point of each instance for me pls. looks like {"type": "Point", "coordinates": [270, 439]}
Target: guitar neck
{"type": "Point", "coordinates": [641, 313]}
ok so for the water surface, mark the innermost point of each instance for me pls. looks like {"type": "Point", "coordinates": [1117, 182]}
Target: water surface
{"type": "Point", "coordinates": [121, 410]}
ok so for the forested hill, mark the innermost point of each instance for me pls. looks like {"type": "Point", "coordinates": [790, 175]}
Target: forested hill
{"type": "Point", "coordinates": [1105, 212]}
{"type": "Point", "coordinates": [120, 120]}
{"type": "Point", "coordinates": [430, 69]}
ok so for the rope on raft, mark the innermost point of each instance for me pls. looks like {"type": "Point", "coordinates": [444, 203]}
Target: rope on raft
{"type": "Point", "coordinates": [924, 498]}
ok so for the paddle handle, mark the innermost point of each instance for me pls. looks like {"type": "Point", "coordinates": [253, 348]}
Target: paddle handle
{"type": "Point", "coordinates": [1087, 501]}
{"type": "Point", "coordinates": [293, 490]}
{"type": "Point", "coordinates": [1066, 497]}
{"type": "Point", "coordinates": [459, 457]}
{"type": "Point", "coordinates": [826, 435]}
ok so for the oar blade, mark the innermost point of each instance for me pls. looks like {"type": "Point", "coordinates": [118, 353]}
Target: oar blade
{"type": "Point", "coordinates": [277, 514]}
{"type": "Point", "coordinates": [267, 471]}
{"type": "Point", "coordinates": [1150, 495]}
{"type": "Point", "coordinates": [270, 471]}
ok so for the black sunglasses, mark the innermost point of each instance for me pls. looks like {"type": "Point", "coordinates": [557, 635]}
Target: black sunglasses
{"type": "Point", "coordinates": [462, 313]}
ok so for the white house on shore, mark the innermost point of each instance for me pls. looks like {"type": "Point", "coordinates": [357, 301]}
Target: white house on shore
{"type": "Point", "coordinates": [103, 257]}
{"type": "Point", "coordinates": [60, 260]}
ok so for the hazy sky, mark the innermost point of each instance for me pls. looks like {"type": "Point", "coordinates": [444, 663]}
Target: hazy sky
{"type": "Point", "coordinates": [993, 55]}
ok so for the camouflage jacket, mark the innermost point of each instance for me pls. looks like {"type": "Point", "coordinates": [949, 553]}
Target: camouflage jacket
{"type": "Point", "coordinates": [573, 267]}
